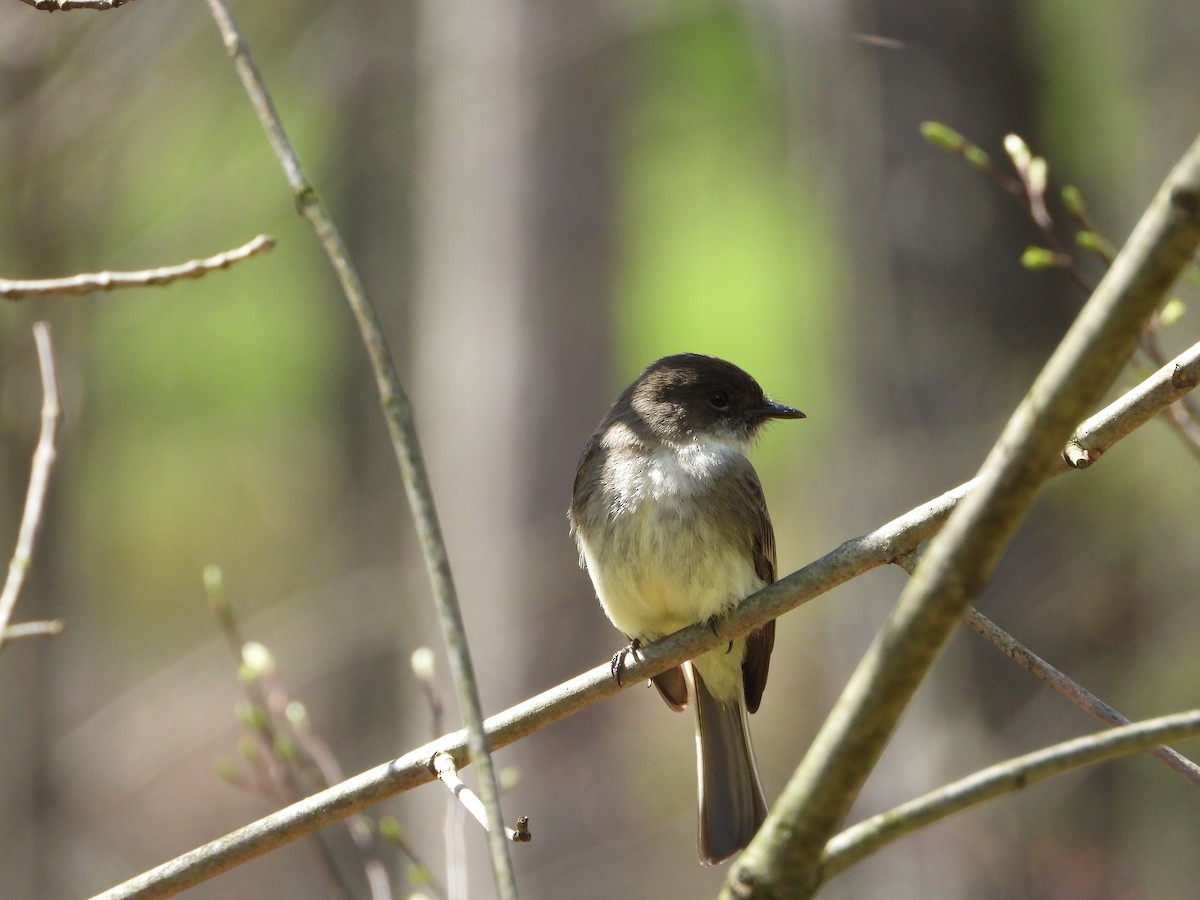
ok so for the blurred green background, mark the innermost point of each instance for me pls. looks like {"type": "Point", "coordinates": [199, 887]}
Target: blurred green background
{"type": "Point", "coordinates": [543, 197]}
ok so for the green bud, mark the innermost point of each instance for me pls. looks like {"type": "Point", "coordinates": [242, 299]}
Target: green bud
{"type": "Point", "coordinates": [1040, 258]}
{"type": "Point", "coordinates": [418, 876]}
{"type": "Point", "coordinates": [1093, 243]}
{"type": "Point", "coordinates": [227, 771]}
{"type": "Point", "coordinates": [977, 158]}
{"type": "Point", "coordinates": [249, 750]}
{"type": "Point", "coordinates": [390, 830]}
{"type": "Point", "coordinates": [253, 717]}
{"type": "Point", "coordinates": [1073, 201]}
{"type": "Point", "coordinates": [943, 137]}
{"type": "Point", "coordinates": [509, 777]}
{"type": "Point", "coordinates": [285, 749]}
{"type": "Point", "coordinates": [1172, 312]}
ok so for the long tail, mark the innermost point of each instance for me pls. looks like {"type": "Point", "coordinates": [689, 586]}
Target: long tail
{"type": "Point", "coordinates": [731, 798]}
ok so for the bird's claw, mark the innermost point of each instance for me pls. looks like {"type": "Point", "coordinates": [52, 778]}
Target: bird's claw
{"type": "Point", "coordinates": [618, 660]}
{"type": "Point", "coordinates": [713, 621]}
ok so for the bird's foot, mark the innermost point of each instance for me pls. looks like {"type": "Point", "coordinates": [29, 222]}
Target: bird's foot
{"type": "Point", "coordinates": [618, 661]}
{"type": "Point", "coordinates": [712, 624]}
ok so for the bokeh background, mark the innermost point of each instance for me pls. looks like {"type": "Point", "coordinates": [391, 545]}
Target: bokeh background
{"type": "Point", "coordinates": [543, 197]}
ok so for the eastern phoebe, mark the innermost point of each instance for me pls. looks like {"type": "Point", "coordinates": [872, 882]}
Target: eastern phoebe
{"type": "Point", "coordinates": [671, 523]}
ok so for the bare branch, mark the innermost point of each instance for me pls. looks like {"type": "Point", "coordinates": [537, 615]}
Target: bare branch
{"type": "Point", "coordinates": [1076, 693]}
{"type": "Point", "coordinates": [108, 281]}
{"type": "Point", "coordinates": [1171, 382]}
{"type": "Point", "coordinates": [447, 772]}
{"type": "Point", "coordinates": [39, 480]}
{"type": "Point", "coordinates": [1053, 678]}
{"type": "Point", "coordinates": [880, 547]}
{"type": "Point", "coordinates": [784, 857]}
{"type": "Point", "coordinates": [398, 413]}
{"type": "Point", "coordinates": [1003, 778]}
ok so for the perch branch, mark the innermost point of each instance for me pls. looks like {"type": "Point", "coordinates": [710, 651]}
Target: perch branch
{"type": "Point", "coordinates": [880, 547]}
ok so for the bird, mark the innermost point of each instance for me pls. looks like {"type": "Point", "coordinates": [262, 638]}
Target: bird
{"type": "Point", "coordinates": [672, 526]}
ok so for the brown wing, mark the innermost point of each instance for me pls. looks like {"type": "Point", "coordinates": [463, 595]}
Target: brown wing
{"type": "Point", "coordinates": [587, 480]}
{"type": "Point", "coordinates": [759, 644]}
{"type": "Point", "coordinates": [761, 641]}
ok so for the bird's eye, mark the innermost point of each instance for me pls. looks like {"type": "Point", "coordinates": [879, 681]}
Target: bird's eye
{"type": "Point", "coordinates": [718, 399]}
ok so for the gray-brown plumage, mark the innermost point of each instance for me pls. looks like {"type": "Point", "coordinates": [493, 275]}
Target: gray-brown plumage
{"type": "Point", "coordinates": [672, 525]}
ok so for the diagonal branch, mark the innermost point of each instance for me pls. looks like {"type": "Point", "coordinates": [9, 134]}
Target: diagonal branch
{"type": "Point", "coordinates": [93, 282]}
{"type": "Point", "coordinates": [1076, 693]}
{"type": "Point", "coordinates": [880, 547]}
{"type": "Point", "coordinates": [784, 858]}
{"type": "Point", "coordinates": [1055, 679]}
{"type": "Point", "coordinates": [39, 480]}
{"type": "Point", "coordinates": [398, 413]}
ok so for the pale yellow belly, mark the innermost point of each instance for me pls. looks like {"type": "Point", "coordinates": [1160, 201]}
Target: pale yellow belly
{"type": "Point", "coordinates": [658, 572]}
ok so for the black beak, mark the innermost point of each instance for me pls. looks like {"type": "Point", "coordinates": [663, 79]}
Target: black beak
{"type": "Point", "coordinates": [773, 410]}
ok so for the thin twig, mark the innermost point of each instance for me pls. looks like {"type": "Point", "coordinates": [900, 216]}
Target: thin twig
{"type": "Point", "coordinates": [1067, 687]}
{"type": "Point", "coordinates": [423, 663]}
{"type": "Point", "coordinates": [39, 480]}
{"type": "Point", "coordinates": [877, 548]}
{"type": "Point", "coordinates": [1171, 382]}
{"type": "Point", "coordinates": [255, 665]}
{"type": "Point", "coordinates": [447, 772]}
{"type": "Point", "coordinates": [397, 411]}
{"type": "Point", "coordinates": [1055, 679]}
{"type": "Point", "coordinates": [90, 283]}
{"type": "Point", "coordinates": [1184, 416]}
{"type": "Point", "coordinates": [1007, 777]}
{"type": "Point", "coordinates": [1058, 681]}
{"type": "Point", "coordinates": [67, 5]}
{"type": "Point", "coordinates": [1032, 170]}
{"type": "Point", "coordinates": [331, 772]}
{"type": "Point", "coordinates": [1029, 191]}
{"type": "Point", "coordinates": [34, 629]}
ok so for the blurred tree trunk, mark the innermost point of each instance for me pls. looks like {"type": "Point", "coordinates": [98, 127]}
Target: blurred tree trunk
{"type": "Point", "coordinates": [513, 221]}
{"type": "Point", "coordinates": [30, 692]}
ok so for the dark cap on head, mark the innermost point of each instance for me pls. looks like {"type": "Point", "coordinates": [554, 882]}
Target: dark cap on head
{"type": "Point", "coordinates": [686, 395]}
